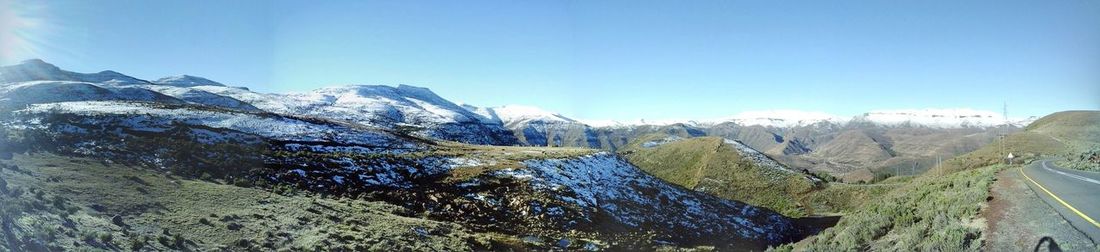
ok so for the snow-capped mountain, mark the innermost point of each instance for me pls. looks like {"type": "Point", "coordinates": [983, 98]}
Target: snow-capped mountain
{"type": "Point", "coordinates": [38, 70]}
{"type": "Point", "coordinates": [604, 123]}
{"type": "Point", "coordinates": [783, 118]}
{"type": "Point", "coordinates": [186, 81]}
{"type": "Point", "coordinates": [937, 118]}
{"type": "Point", "coordinates": [929, 118]}
{"type": "Point", "coordinates": [20, 94]}
{"type": "Point", "coordinates": [160, 118]}
{"type": "Point", "coordinates": [513, 114]}
{"type": "Point", "coordinates": [35, 81]}
{"type": "Point", "coordinates": [381, 106]}
{"type": "Point", "coordinates": [198, 96]}
{"type": "Point", "coordinates": [349, 142]}
{"type": "Point", "coordinates": [420, 111]}
{"type": "Point", "coordinates": [537, 127]}
{"type": "Point", "coordinates": [411, 109]}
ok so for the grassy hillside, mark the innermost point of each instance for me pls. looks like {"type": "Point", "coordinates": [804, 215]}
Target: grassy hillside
{"type": "Point", "coordinates": [1065, 135]}
{"type": "Point", "coordinates": [854, 147]}
{"type": "Point", "coordinates": [708, 164]}
{"type": "Point", "coordinates": [54, 202]}
{"type": "Point", "coordinates": [617, 138]}
{"type": "Point", "coordinates": [929, 213]}
{"type": "Point", "coordinates": [163, 191]}
{"type": "Point", "coordinates": [938, 210]}
{"type": "Point", "coordinates": [1080, 131]}
{"type": "Point", "coordinates": [1073, 126]}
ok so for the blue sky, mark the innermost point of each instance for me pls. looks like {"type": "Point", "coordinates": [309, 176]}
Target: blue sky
{"type": "Point", "coordinates": [619, 60]}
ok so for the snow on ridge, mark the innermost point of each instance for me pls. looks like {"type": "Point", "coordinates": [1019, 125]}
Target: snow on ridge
{"type": "Point", "coordinates": [32, 92]}
{"type": "Point", "coordinates": [418, 105]}
{"type": "Point", "coordinates": [517, 114]}
{"type": "Point", "coordinates": [608, 182]}
{"type": "Point", "coordinates": [783, 118]}
{"type": "Point", "coordinates": [274, 127]}
{"type": "Point", "coordinates": [199, 96]}
{"type": "Point", "coordinates": [600, 123]}
{"type": "Point", "coordinates": [38, 70]}
{"type": "Point", "coordinates": [361, 103]}
{"type": "Point", "coordinates": [520, 113]}
{"type": "Point", "coordinates": [757, 157]}
{"type": "Point", "coordinates": [487, 115]}
{"type": "Point", "coordinates": [186, 81]}
{"type": "Point", "coordinates": [401, 103]}
{"type": "Point", "coordinates": [937, 118]}
{"type": "Point", "coordinates": [767, 118]}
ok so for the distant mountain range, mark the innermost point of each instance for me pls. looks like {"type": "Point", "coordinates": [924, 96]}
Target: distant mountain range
{"type": "Point", "coordinates": [876, 139]}
{"type": "Point", "coordinates": [403, 147]}
{"type": "Point", "coordinates": [928, 118]}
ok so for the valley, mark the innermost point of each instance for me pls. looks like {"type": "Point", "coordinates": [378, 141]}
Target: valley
{"type": "Point", "coordinates": [105, 161]}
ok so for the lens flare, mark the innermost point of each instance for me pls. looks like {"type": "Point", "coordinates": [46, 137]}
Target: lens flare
{"type": "Point", "coordinates": [19, 30]}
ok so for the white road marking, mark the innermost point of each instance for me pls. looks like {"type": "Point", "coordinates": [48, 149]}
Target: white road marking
{"type": "Point", "coordinates": [1070, 175]}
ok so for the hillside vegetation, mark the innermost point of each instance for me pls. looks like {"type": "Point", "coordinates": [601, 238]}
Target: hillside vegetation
{"type": "Point", "coordinates": [938, 211]}
{"type": "Point", "coordinates": [928, 213]}
{"type": "Point", "coordinates": [51, 202]}
{"type": "Point", "coordinates": [714, 166]}
{"type": "Point", "coordinates": [708, 164]}
{"type": "Point", "coordinates": [245, 172]}
{"type": "Point", "coordinates": [1080, 130]}
{"type": "Point", "coordinates": [1064, 135]}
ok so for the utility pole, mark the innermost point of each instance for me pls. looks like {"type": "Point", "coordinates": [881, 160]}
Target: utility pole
{"type": "Point", "coordinates": [1004, 130]}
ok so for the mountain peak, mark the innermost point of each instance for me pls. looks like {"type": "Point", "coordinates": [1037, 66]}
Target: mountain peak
{"type": "Point", "coordinates": [40, 70]}
{"type": "Point", "coordinates": [36, 66]}
{"type": "Point", "coordinates": [36, 62]}
{"type": "Point", "coordinates": [186, 81]}
{"type": "Point", "coordinates": [33, 70]}
{"type": "Point", "coordinates": [522, 112]}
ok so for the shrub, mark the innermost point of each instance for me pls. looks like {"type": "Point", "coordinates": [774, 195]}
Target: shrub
{"type": "Point", "coordinates": [927, 214]}
{"type": "Point", "coordinates": [106, 237]}
{"type": "Point", "coordinates": [164, 240]}
{"type": "Point", "coordinates": [137, 244]}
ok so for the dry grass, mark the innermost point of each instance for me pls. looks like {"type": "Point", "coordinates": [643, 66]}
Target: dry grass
{"type": "Point", "coordinates": [158, 210]}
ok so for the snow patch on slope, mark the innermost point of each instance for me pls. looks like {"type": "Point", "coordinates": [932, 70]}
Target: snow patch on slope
{"type": "Point", "coordinates": [757, 157]}
{"type": "Point", "coordinates": [613, 185]}
{"type": "Point", "coordinates": [18, 95]}
{"type": "Point", "coordinates": [198, 96]}
{"type": "Point", "coordinates": [152, 117]}
{"type": "Point", "coordinates": [384, 107]}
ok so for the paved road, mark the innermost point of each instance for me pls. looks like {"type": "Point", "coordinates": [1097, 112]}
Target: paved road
{"type": "Point", "coordinates": [1074, 194]}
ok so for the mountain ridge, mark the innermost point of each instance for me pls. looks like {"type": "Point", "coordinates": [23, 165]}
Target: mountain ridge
{"type": "Point", "coordinates": [790, 136]}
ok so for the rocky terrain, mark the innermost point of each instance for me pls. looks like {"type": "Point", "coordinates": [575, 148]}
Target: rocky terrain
{"type": "Point", "coordinates": [339, 158]}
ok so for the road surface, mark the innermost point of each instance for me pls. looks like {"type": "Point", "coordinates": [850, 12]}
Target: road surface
{"type": "Point", "coordinates": [1072, 193]}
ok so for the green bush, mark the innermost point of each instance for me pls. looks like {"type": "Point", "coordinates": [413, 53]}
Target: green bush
{"type": "Point", "coordinates": [137, 244]}
{"type": "Point", "coordinates": [106, 237]}
{"type": "Point", "coordinates": [931, 213]}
